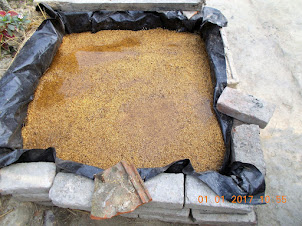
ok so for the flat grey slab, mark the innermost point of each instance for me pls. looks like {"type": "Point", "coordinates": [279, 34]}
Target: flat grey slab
{"type": "Point", "coordinates": [210, 202]}
{"type": "Point", "coordinates": [246, 145]}
{"type": "Point", "coordinates": [33, 197]}
{"type": "Point", "coordinates": [146, 5]}
{"type": "Point", "coordinates": [184, 220]}
{"type": "Point", "coordinates": [224, 219]}
{"type": "Point", "coordinates": [244, 107]}
{"type": "Point", "coordinates": [162, 212]}
{"type": "Point", "coordinates": [21, 178]}
{"type": "Point", "coordinates": [72, 191]}
{"type": "Point", "coordinates": [166, 190]}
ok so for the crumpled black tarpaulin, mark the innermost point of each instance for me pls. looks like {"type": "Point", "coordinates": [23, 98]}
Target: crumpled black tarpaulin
{"type": "Point", "coordinates": [18, 85]}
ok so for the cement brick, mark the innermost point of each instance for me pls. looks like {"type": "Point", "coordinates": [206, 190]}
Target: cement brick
{"type": "Point", "coordinates": [246, 145]}
{"type": "Point", "coordinates": [162, 212]}
{"type": "Point", "coordinates": [121, 5]}
{"type": "Point", "coordinates": [33, 197]}
{"type": "Point", "coordinates": [184, 220]}
{"type": "Point", "coordinates": [225, 219]}
{"type": "Point", "coordinates": [72, 191]}
{"type": "Point", "coordinates": [129, 215]}
{"type": "Point", "coordinates": [24, 178]}
{"type": "Point", "coordinates": [166, 190]}
{"type": "Point", "coordinates": [246, 108]}
{"type": "Point", "coordinates": [195, 188]}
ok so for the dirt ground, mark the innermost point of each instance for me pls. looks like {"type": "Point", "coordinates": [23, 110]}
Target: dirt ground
{"type": "Point", "coordinates": [266, 40]}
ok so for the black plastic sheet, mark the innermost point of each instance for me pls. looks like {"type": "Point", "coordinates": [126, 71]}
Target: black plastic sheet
{"type": "Point", "coordinates": [18, 85]}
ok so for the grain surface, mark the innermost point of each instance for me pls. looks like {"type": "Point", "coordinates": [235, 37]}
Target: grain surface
{"type": "Point", "coordinates": [140, 96]}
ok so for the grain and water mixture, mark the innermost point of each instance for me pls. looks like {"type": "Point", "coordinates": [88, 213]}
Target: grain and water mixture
{"type": "Point", "coordinates": [140, 96]}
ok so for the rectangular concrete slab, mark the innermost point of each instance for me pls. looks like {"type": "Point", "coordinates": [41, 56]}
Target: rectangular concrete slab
{"type": "Point", "coordinates": [225, 219]}
{"type": "Point", "coordinates": [122, 5]}
{"type": "Point", "coordinates": [184, 220]}
{"type": "Point", "coordinates": [245, 108]}
{"type": "Point", "coordinates": [209, 202]}
{"type": "Point", "coordinates": [246, 145]}
{"type": "Point", "coordinates": [72, 191]}
{"type": "Point", "coordinates": [166, 190]}
{"type": "Point", "coordinates": [163, 212]}
{"type": "Point", "coordinates": [33, 197]}
{"type": "Point", "coordinates": [24, 178]}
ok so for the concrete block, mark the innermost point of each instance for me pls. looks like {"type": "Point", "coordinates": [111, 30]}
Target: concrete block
{"type": "Point", "coordinates": [23, 178]}
{"type": "Point", "coordinates": [163, 212]}
{"type": "Point", "coordinates": [129, 215]}
{"type": "Point", "coordinates": [195, 188]}
{"type": "Point", "coordinates": [246, 145]}
{"type": "Point", "coordinates": [45, 203]}
{"type": "Point", "coordinates": [225, 219]}
{"type": "Point", "coordinates": [122, 5]}
{"type": "Point", "coordinates": [184, 220]}
{"type": "Point", "coordinates": [72, 191]}
{"type": "Point", "coordinates": [166, 190]}
{"type": "Point", "coordinates": [246, 108]}
{"type": "Point", "coordinates": [33, 197]}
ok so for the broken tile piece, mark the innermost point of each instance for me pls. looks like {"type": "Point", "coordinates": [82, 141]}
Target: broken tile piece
{"type": "Point", "coordinates": [118, 190]}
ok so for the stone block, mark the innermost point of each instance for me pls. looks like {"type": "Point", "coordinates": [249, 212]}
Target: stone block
{"type": "Point", "coordinates": [195, 188]}
{"type": "Point", "coordinates": [72, 191]}
{"type": "Point", "coordinates": [33, 197]}
{"type": "Point", "coordinates": [166, 190]}
{"type": "Point", "coordinates": [184, 220]}
{"type": "Point", "coordinates": [224, 219]}
{"type": "Point", "coordinates": [122, 5]}
{"type": "Point", "coordinates": [246, 108]}
{"type": "Point", "coordinates": [22, 178]}
{"type": "Point", "coordinates": [163, 212]}
{"type": "Point", "coordinates": [246, 145]}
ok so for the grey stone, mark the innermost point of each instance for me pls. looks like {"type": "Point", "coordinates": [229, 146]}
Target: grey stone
{"type": "Point", "coordinates": [72, 191]}
{"type": "Point", "coordinates": [166, 190]}
{"type": "Point", "coordinates": [121, 5]}
{"type": "Point", "coordinates": [129, 215]}
{"type": "Point", "coordinates": [22, 178]}
{"type": "Point", "coordinates": [163, 212]}
{"type": "Point", "coordinates": [195, 188]}
{"type": "Point", "coordinates": [225, 219]}
{"type": "Point", "coordinates": [33, 197]}
{"type": "Point", "coordinates": [246, 145]}
{"type": "Point", "coordinates": [246, 108]}
{"type": "Point", "coordinates": [184, 220]}
{"type": "Point", "coordinates": [45, 203]}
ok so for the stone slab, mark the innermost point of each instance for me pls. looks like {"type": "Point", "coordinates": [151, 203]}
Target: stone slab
{"type": "Point", "coordinates": [195, 188]}
{"type": "Point", "coordinates": [121, 5]}
{"type": "Point", "coordinates": [162, 212]}
{"type": "Point", "coordinates": [246, 145]}
{"type": "Point", "coordinates": [33, 197]}
{"type": "Point", "coordinates": [245, 108]}
{"type": "Point", "coordinates": [184, 220]}
{"type": "Point", "coordinates": [72, 191]}
{"type": "Point", "coordinates": [45, 203]}
{"type": "Point", "coordinates": [22, 178]}
{"type": "Point", "coordinates": [129, 215]}
{"type": "Point", "coordinates": [225, 219]}
{"type": "Point", "coordinates": [166, 190]}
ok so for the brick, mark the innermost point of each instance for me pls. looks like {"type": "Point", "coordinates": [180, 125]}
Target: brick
{"type": "Point", "coordinates": [122, 5]}
{"type": "Point", "coordinates": [224, 219]}
{"type": "Point", "coordinates": [163, 212]}
{"type": "Point", "coordinates": [23, 178]}
{"type": "Point", "coordinates": [33, 197]}
{"type": "Point", "coordinates": [195, 188]}
{"type": "Point", "coordinates": [72, 191]}
{"type": "Point", "coordinates": [184, 220]}
{"type": "Point", "coordinates": [246, 108]}
{"type": "Point", "coordinates": [246, 145]}
{"type": "Point", "coordinates": [166, 190]}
